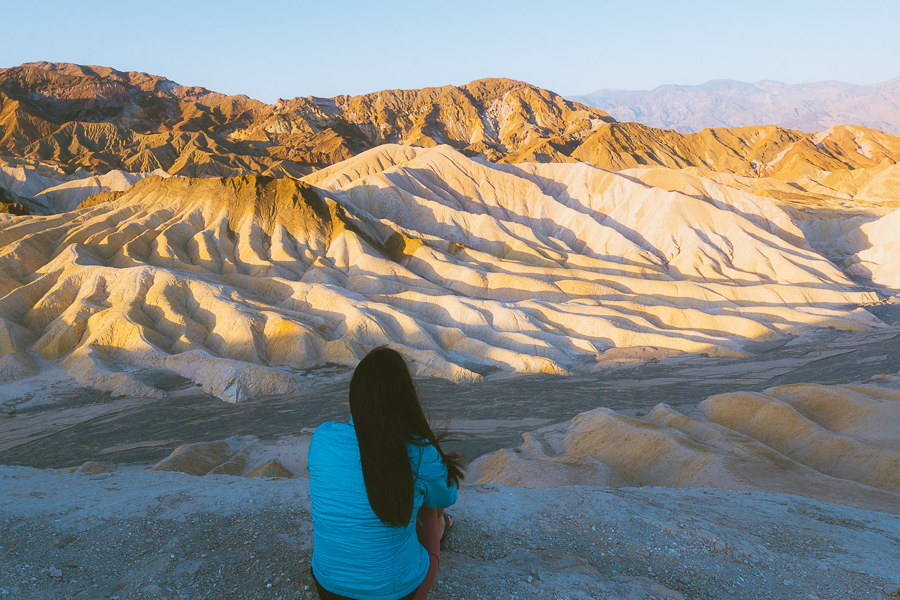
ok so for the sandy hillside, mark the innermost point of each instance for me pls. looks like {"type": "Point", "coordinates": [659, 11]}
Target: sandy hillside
{"type": "Point", "coordinates": [100, 119]}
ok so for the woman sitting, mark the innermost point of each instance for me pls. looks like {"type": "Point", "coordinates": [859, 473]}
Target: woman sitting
{"type": "Point", "coordinates": [379, 486]}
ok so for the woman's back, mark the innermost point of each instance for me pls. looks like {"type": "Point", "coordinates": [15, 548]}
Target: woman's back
{"type": "Point", "coordinates": [355, 553]}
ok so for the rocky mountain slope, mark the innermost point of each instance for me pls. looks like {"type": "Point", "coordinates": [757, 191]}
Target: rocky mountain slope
{"type": "Point", "coordinates": [101, 119]}
{"type": "Point", "coordinates": [808, 107]}
{"type": "Point", "coordinates": [758, 151]}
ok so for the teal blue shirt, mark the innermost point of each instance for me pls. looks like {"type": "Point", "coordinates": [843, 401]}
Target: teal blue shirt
{"type": "Point", "coordinates": [354, 553]}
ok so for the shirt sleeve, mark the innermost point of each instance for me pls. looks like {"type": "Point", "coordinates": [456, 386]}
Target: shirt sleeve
{"type": "Point", "coordinates": [432, 476]}
{"type": "Point", "coordinates": [312, 454]}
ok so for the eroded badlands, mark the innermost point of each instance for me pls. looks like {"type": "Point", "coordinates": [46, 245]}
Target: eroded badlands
{"type": "Point", "coordinates": [465, 266]}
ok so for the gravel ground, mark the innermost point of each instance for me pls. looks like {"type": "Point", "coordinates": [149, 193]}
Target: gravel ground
{"type": "Point", "coordinates": [136, 534]}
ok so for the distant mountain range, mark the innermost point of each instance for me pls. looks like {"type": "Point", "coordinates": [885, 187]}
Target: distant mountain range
{"type": "Point", "coordinates": [809, 107]}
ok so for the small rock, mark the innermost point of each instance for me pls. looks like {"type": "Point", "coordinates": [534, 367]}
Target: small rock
{"type": "Point", "coordinates": [721, 546]}
{"type": "Point", "coordinates": [271, 469]}
{"type": "Point", "coordinates": [55, 573]}
{"type": "Point", "coordinates": [891, 590]}
{"type": "Point", "coordinates": [529, 579]}
{"type": "Point", "coordinates": [91, 468]}
{"type": "Point", "coordinates": [195, 459]}
{"type": "Point", "coordinates": [664, 592]}
{"type": "Point", "coordinates": [233, 466]}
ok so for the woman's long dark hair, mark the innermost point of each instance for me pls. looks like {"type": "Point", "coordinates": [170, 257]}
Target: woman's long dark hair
{"type": "Point", "coordinates": [387, 416]}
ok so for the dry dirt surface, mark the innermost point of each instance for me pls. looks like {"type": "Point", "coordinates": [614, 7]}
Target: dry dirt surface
{"type": "Point", "coordinates": [137, 534]}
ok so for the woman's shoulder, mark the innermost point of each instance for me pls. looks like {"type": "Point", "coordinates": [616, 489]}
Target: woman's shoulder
{"type": "Point", "coordinates": [332, 444]}
{"type": "Point", "coordinates": [333, 426]}
{"type": "Point", "coordinates": [330, 432]}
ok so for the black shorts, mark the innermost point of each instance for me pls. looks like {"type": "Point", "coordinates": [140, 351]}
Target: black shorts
{"type": "Point", "coordinates": [326, 595]}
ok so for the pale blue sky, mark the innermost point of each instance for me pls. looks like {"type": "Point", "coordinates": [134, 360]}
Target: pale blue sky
{"type": "Point", "coordinates": [270, 48]}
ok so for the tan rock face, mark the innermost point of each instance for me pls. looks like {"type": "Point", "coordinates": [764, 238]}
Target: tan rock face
{"type": "Point", "coordinates": [762, 151]}
{"type": "Point", "coordinates": [239, 456]}
{"type": "Point", "coordinates": [832, 443]}
{"type": "Point", "coordinates": [234, 466]}
{"type": "Point", "coordinates": [10, 203]}
{"type": "Point", "coordinates": [33, 187]}
{"type": "Point", "coordinates": [17, 365]}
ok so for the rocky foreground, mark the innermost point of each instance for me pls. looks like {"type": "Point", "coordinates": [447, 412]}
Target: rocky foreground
{"type": "Point", "coordinates": [135, 534]}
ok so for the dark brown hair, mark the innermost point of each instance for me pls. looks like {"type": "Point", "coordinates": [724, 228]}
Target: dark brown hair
{"type": "Point", "coordinates": [387, 416]}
